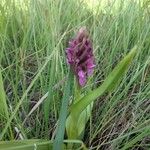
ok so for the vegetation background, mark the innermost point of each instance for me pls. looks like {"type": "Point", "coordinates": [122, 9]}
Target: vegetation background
{"type": "Point", "coordinates": [33, 38]}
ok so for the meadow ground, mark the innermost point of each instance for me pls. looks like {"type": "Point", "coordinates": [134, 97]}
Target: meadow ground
{"type": "Point", "coordinates": [33, 39]}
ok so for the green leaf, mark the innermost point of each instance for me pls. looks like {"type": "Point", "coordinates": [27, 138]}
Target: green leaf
{"type": "Point", "coordinates": [33, 144]}
{"type": "Point", "coordinates": [3, 105]}
{"type": "Point", "coordinates": [109, 83]}
{"type": "Point", "coordinates": [49, 98]}
{"type": "Point", "coordinates": [75, 130]}
{"type": "Point", "coordinates": [58, 142]}
{"type": "Point", "coordinates": [4, 114]}
{"type": "Point", "coordinates": [37, 144]}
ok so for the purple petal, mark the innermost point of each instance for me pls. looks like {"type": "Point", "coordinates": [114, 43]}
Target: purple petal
{"type": "Point", "coordinates": [69, 53]}
{"type": "Point", "coordinates": [90, 71]}
{"type": "Point", "coordinates": [72, 43]}
{"type": "Point", "coordinates": [90, 63]}
{"type": "Point", "coordinates": [81, 74]}
{"type": "Point", "coordinates": [82, 78]}
{"type": "Point", "coordinates": [90, 66]}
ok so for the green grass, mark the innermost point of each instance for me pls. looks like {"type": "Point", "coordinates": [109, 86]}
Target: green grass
{"type": "Point", "coordinates": [33, 38]}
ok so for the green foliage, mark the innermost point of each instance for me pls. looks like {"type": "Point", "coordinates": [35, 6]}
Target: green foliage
{"type": "Point", "coordinates": [26, 144]}
{"type": "Point", "coordinates": [75, 126]}
{"type": "Point", "coordinates": [33, 38]}
{"type": "Point", "coordinates": [58, 143]}
{"type": "Point", "coordinates": [4, 114]}
{"type": "Point", "coordinates": [37, 144]}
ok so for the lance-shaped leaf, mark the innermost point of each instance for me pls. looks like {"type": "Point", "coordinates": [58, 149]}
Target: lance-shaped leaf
{"type": "Point", "coordinates": [3, 104]}
{"type": "Point", "coordinates": [75, 130]}
{"type": "Point", "coordinates": [108, 84]}
{"type": "Point", "coordinates": [58, 142]}
{"type": "Point", "coordinates": [4, 114]}
{"type": "Point", "coordinates": [32, 144]}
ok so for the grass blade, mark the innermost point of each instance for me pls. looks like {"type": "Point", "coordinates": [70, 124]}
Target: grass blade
{"type": "Point", "coordinates": [138, 138]}
{"type": "Point", "coordinates": [4, 114]}
{"type": "Point", "coordinates": [3, 105]}
{"type": "Point", "coordinates": [63, 114]}
{"type": "Point", "coordinates": [26, 144]}
{"type": "Point", "coordinates": [23, 97]}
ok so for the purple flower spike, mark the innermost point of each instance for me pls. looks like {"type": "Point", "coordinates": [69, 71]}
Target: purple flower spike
{"type": "Point", "coordinates": [80, 56]}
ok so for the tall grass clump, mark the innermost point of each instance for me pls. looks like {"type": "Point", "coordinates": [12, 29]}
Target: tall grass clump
{"type": "Point", "coordinates": [34, 73]}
